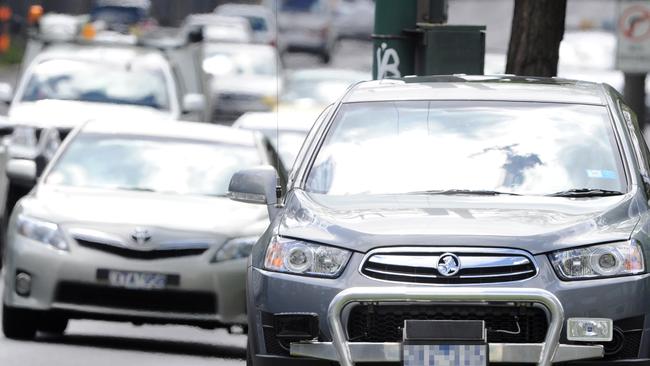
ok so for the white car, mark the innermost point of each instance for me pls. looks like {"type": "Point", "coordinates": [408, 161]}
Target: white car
{"type": "Point", "coordinates": [260, 18]}
{"type": "Point", "coordinates": [244, 78]}
{"type": "Point", "coordinates": [220, 28]}
{"type": "Point", "coordinates": [130, 222]}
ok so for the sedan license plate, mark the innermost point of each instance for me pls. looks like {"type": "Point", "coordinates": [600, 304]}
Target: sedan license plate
{"type": "Point", "coordinates": [137, 280]}
{"type": "Point", "coordinates": [445, 355]}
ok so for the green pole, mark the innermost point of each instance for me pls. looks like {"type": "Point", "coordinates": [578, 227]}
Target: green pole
{"type": "Point", "coordinates": [393, 49]}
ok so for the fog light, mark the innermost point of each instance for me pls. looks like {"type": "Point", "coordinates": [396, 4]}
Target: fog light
{"type": "Point", "coordinates": [23, 284]}
{"type": "Point", "coordinates": [590, 329]}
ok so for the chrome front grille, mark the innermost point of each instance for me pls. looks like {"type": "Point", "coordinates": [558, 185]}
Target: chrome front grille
{"type": "Point", "coordinates": [420, 265]}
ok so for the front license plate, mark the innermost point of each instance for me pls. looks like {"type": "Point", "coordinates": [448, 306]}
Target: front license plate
{"type": "Point", "coordinates": [445, 355]}
{"type": "Point", "coordinates": [137, 280]}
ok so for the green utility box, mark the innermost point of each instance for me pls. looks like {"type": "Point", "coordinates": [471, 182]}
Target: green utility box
{"type": "Point", "coordinates": [450, 49]}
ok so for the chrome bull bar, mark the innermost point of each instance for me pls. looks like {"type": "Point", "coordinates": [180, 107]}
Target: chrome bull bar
{"type": "Point", "coordinates": [347, 353]}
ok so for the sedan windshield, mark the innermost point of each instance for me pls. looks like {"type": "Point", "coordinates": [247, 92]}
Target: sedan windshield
{"type": "Point", "coordinates": [151, 164]}
{"type": "Point", "coordinates": [139, 83]}
{"type": "Point", "coordinates": [460, 147]}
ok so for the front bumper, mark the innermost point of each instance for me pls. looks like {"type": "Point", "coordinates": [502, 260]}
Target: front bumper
{"type": "Point", "coordinates": [68, 282]}
{"type": "Point", "coordinates": [347, 353]}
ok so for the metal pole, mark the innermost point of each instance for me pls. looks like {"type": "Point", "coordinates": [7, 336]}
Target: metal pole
{"type": "Point", "coordinates": [394, 49]}
{"type": "Point", "coordinates": [634, 92]}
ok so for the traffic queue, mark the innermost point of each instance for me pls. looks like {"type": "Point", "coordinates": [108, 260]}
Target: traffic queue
{"type": "Point", "coordinates": [116, 159]}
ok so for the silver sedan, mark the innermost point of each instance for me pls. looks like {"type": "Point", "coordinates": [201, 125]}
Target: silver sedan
{"type": "Point", "coordinates": [131, 223]}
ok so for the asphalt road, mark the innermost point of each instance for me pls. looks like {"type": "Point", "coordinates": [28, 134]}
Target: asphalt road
{"type": "Point", "coordinates": [109, 344]}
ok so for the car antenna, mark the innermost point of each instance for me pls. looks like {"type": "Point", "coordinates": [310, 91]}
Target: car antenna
{"type": "Point", "coordinates": [278, 183]}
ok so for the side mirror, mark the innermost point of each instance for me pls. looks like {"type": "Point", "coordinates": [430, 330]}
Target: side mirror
{"type": "Point", "coordinates": [256, 185]}
{"type": "Point", "coordinates": [193, 103]}
{"type": "Point", "coordinates": [195, 34]}
{"type": "Point", "coordinates": [22, 171]}
{"type": "Point", "coordinates": [6, 93]}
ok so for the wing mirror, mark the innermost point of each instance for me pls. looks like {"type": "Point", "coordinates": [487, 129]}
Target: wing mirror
{"type": "Point", "coordinates": [6, 93]}
{"type": "Point", "coordinates": [256, 185]}
{"type": "Point", "coordinates": [22, 171]}
{"type": "Point", "coordinates": [193, 103]}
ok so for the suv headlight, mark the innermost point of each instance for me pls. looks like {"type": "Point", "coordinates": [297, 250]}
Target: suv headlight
{"type": "Point", "coordinates": [24, 136]}
{"type": "Point", "coordinates": [42, 231]}
{"type": "Point", "coordinates": [299, 257]}
{"type": "Point", "coordinates": [599, 261]}
{"type": "Point", "coordinates": [235, 249]}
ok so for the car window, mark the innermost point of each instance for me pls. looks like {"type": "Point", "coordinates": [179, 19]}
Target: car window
{"type": "Point", "coordinates": [513, 147]}
{"type": "Point", "coordinates": [151, 164]}
{"type": "Point", "coordinates": [140, 83]}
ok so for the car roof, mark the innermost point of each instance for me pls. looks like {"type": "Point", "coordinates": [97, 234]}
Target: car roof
{"type": "Point", "coordinates": [244, 9]}
{"type": "Point", "coordinates": [203, 132]}
{"type": "Point", "coordinates": [109, 53]}
{"type": "Point", "coordinates": [488, 88]}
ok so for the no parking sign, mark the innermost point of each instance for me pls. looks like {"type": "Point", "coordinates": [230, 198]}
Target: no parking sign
{"type": "Point", "coordinates": [633, 33]}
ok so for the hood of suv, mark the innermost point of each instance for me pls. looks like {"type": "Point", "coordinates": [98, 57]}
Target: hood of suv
{"type": "Point", "coordinates": [533, 223]}
{"type": "Point", "coordinates": [117, 211]}
{"type": "Point", "coordinates": [69, 114]}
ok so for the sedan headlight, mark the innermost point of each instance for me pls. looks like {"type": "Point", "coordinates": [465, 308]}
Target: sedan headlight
{"type": "Point", "coordinates": [235, 249]}
{"type": "Point", "coordinates": [298, 257]}
{"type": "Point", "coordinates": [599, 261]}
{"type": "Point", "coordinates": [24, 136]}
{"type": "Point", "coordinates": [41, 231]}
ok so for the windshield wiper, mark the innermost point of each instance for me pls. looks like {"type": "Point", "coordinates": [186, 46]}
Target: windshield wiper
{"type": "Point", "coordinates": [476, 192]}
{"type": "Point", "coordinates": [586, 192]}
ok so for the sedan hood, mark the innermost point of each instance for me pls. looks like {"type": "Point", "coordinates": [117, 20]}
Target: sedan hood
{"type": "Point", "coordinates": [533, 223]}
{"type": "Point", "coordinates": [69, 114]}
{"type": "Point", "coordinates": [97, 208]}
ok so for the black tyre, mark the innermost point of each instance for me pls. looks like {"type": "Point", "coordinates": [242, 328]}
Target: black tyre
{"type": "Point", "coordinates": [18, 323]}
{"type": "Point", "coordinates": [14, 193]}
{"type": "Point", "coordinates": [52, 324]}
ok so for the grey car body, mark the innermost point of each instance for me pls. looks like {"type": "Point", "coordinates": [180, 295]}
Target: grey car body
{"type": "Point", "coordinates": [529, 227]}
{"type": "Point", "coordinates": [110, 227]}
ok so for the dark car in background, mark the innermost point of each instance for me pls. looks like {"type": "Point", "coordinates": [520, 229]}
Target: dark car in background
{"type": "Point", "coordinates": [520, 204]}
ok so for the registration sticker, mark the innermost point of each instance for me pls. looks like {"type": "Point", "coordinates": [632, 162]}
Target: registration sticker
{"type": "Point", "coordinates": [445, 355]}
{"type": "Point", "coordinates": [601, 174]}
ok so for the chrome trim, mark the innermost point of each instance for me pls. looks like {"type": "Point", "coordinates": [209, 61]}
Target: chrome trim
{"type": "Point", "coordinates": [441, 250]}
{"type": "Point", "coordinates": [499, 352]}
{"type": "Point", "coordinates": [444, 294]}
{"type": "Point", "coordinates": [430, 261]}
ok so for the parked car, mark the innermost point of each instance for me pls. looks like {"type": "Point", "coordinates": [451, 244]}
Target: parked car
{"type": "Point", "coordinates": [513, 206]}
{"type": "Point", "coordinates": [244, 78]}
{"type": "Point", "coordinates": [130, 222]}
{"type": "Point", "coordinates": [307, 26]}
{"type": "Point", "coordinates": [123, 16]}
{"type": "Point", "coordinates": [220, 28]}
{"type": "Point", "coordinates": [260, 18]}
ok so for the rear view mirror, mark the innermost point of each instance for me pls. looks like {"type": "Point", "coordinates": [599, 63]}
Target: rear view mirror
{"type": "Point", "coordinates": [255, 185]}
{"type": "Point", "coordinates": [6, 93]}
{"type": "Point", "coordinates": [22, 171]}
{"type": "Point", "coordinates": [194, 103]}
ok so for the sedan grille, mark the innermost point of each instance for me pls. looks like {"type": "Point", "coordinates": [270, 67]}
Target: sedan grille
{"type": "Point", "coordinates": [142, 254]}
{"type": "Point", "coordinates": [504, 323]}
{"type": "Point", "coordinates": [420, 265]}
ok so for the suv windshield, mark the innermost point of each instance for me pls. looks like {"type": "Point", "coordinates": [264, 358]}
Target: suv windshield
{"type": "Point", "coordinates": [151, 164]}
{"type": "Point", "coordinates": [509, 147]}
{"type": "Point", "coordinates": [139, 83]}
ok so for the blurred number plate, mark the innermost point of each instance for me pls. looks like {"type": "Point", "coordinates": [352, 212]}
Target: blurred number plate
{"type": "Point", "coordinates": [137, 280]}
{"type": "Point", "coordinates": [445, 355]}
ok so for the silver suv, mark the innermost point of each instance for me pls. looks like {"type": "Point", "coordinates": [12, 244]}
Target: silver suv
{"type": "Point", "coordinates": [505, 215]}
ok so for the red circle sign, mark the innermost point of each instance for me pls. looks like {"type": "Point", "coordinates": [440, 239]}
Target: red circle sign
{"type": "Point", "coordinates": [634, 23]}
